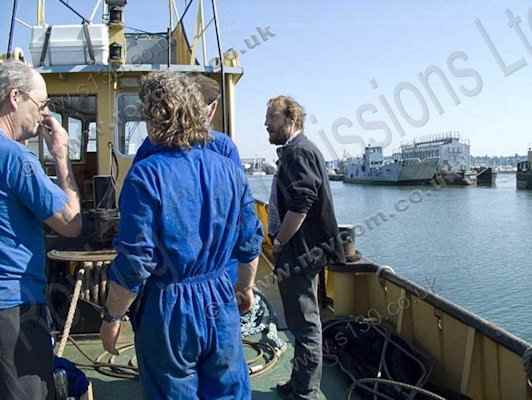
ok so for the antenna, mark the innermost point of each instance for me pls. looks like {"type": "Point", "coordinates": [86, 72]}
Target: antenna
{"type": "Point", "coordinates": [95, 10]}
{"type": "Point", "coordinates": [12, 29]}
{"type": "Point", "coordinates": [170, 27]}
{"type": "Point", "coordinates": [222, 68]}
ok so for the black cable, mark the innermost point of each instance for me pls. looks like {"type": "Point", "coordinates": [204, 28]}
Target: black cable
{"type": "Point", "coordinates": [12, 29]}
{"type": "Point", "coordinates": [222, 69]}
{"type": "Point", "coordinates": [185, 12]}
{"type": "Point", "coordinates": [83, 19]}
{"type": "Point", "coordinates": [139, 30]}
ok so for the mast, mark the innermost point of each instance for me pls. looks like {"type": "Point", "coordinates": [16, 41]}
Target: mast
{"type": "Point", "coordinates": [203, 39]}
{"type": "Point", "coordinates": [12, 28]}
{"type": "Point", "coordinates": [41, 15]}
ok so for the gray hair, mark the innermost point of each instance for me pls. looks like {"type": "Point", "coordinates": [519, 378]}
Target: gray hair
{"type": "Point", "coordinates": [15, 75]}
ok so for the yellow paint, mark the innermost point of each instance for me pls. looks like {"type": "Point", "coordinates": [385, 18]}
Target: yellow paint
{"type": "Point", "coordinates": [117, 35]}
{"type": "Point", "coordinates": [41, 12]}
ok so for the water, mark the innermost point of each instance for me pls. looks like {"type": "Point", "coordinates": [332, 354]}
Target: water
{"type": "Point", "coordinates": [471, 245]}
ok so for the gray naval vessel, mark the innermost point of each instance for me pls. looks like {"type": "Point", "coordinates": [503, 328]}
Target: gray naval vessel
{"type": "Point", "coordinates": [371, 168]}
{"type": "Point", "coordinates": [452, 153]}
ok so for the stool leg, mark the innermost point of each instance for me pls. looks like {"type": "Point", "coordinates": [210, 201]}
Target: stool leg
{"type": "Point", "coordinates": [71, 312]}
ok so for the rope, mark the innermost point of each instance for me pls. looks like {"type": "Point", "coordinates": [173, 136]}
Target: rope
{"type": "Point", "coordinates": [71, 313]}
{"type": "Point", "coordinates": [83, 19]}
{"type": "Point", "coordinates": [382, 364]}
{"type": "Point", "coordinates": [184, 13]}
{"type": "Point", "coordinates": [395, 383]}
{"type": "Point", "coordinates": [105, 362]}
{"type": "Point", "coordinates": [261, 348]}
{"type": "Point", "coordinates": [267, 349]}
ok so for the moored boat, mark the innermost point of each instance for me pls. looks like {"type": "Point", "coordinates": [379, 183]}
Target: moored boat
{"type": "Point", "coordinates": [372, 169]}
{"type": "Point", "coordinates": [524, 173]}
{"type": "Point", "coordinates": [486, 176]}
{"type": "Point", "coordinates": [452, 153]}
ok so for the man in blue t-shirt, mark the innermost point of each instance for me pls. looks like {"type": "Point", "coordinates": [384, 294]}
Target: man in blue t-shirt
{"type": "Point", "coordinates": [220, 142]}
{"type": "Point", "coordinates": [27, 199]}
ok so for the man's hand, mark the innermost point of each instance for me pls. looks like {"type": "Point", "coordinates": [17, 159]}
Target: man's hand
{"type": "Point", "coordinates": [246, 299]}
{"type": "Point", "coordinates": [109, 332]}
{"type": "Point", "coordinates": [56, 138]}
{"type": "Point", "coordinates": [277, 248]}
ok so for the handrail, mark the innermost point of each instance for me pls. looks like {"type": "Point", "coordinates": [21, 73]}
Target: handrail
{"type": "Point", "coordinates": [489, 329]}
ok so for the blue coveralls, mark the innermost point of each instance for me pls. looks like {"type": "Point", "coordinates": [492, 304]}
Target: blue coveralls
{"type": "Point", "coordinates": [183, 213]}
{"type": "Point", "coordinates": [221, 144]}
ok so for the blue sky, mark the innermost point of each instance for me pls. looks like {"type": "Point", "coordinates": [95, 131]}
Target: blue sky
{"type": "Point", "coordinates": [327, 54]}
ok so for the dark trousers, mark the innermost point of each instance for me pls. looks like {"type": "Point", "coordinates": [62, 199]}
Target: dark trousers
{"type": "Point", "coordinates": [26, 354]}
{"type": "Point", "coordinates": [299, 294]}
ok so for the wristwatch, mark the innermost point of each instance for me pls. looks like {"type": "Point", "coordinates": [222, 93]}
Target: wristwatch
{"type": "Point", "coordinates": [107, 317]}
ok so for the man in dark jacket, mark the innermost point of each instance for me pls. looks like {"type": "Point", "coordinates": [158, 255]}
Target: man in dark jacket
{"type": "Point", "coordinates": [306, 240]}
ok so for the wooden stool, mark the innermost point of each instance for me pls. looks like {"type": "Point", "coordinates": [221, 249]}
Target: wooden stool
{"type": "Point", "coordinates": [91, 283]}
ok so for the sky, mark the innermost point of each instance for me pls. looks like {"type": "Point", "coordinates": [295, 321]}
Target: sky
{"type": "Point", "coordinates": [367, 72]}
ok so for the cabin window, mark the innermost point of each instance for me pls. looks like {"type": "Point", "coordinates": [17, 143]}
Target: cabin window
{"type": "Point", "coordinates": [136, 132]}
{"type": "Point", "coordinates": [131, 125]}
{"type": "Point", "coordinates": [74, 138]}
{"type": "Point", "coordinates": [91, 140]}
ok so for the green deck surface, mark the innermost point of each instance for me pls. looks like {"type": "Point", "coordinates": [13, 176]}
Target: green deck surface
{"type": "Point", "coordinates": [334, 385]}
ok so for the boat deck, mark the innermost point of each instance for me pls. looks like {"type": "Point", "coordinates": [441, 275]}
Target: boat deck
{"type": "Point", "coordinates": [334, 384]}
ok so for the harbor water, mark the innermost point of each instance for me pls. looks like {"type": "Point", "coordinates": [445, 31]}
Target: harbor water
{"type": "Point", "coordinates": [472, 245]}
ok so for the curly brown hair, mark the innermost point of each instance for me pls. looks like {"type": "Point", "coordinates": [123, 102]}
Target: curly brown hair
{"type": "Point", "coordinates": [209, 87]}
{"type": "Point", "coordinates": [175, 111]}
{"type": "Point", "coordinates": [291, 109]}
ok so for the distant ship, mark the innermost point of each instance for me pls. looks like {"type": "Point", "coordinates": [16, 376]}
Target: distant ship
{"type": "Point", "coordinates": [372, 169]}
{"type": "Point", "coordinates": [451, 152]}
{"type": "Point", "coordinates": [486, 176]}
{"type": "Point", "coordinates": [257, 166]}
{"type": "Point", "coordinates": [524, 173]}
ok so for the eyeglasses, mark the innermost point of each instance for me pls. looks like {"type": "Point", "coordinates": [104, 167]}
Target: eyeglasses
{"type": "Point", "coordinates": [42, 105]}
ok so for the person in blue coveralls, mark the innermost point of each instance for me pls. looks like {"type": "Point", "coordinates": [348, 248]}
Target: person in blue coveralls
{"type": "Point", "coordinates": [184, 211]}
{"type": "Point", "coordinates": [220, 142]}
{"type": "Point", "coordinates": [27, 199]}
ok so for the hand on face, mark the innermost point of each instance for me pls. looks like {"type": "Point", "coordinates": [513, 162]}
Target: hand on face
{"type": "Point", "coordinates": [55, 136]}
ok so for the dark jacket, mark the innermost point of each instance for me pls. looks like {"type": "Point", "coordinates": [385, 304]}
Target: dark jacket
{"type": "Point", "coordinates": [303, 187]}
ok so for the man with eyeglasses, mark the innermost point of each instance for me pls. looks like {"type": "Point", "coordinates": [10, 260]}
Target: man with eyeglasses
{"type": "Point", "coordinates": [27, 199]}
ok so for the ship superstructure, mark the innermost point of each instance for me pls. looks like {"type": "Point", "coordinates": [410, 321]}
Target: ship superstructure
{"type": "Point", "coordinates": [372, 168]}
{"type": "Point", "coordinates": [449, 149]}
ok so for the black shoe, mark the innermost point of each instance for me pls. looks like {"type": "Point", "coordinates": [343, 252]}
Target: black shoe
{"type": "Point", "coordinates": [285, 390]}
